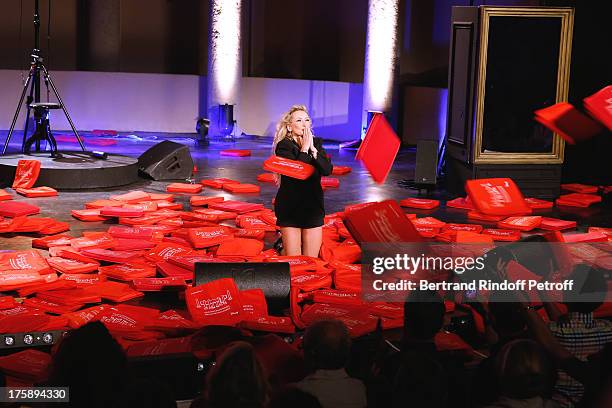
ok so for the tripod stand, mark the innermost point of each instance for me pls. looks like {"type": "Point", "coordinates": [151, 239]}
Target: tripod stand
{"type": "Point", "coordinates": [41, 110]}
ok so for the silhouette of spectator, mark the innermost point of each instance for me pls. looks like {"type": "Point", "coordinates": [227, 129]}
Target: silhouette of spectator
{"type": "Point", "coordinates": [326, 352]}
{"type": "Point", "coordinates": [295, 398]}
{"type": "Point", "coordinates": [92, 364]}
{"type": "Point", "coordinates": [578, 331]}
{"type": "Point", "coordinates": [526, 376]}
{"type": "Point", "coordinates": [237, 380]}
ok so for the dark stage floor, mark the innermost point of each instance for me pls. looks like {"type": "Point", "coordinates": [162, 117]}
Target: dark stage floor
{"type": "Point", "coordinates": [355, 187]}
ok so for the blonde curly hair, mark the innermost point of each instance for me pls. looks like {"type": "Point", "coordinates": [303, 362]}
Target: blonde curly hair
{"type": "Point", "coordinates": [285, 120]}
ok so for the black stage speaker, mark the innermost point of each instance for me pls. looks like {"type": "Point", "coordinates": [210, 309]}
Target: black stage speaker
{"type": "Point", "coordinates": [426, 168]}
{"type": "Point", "coordinates": [166, 161]}
{"type": "Point", "coordinates": [271, 277]}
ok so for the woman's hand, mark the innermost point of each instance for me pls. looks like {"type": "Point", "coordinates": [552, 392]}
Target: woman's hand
{"type": "Point", "coordinates": [307, 140]}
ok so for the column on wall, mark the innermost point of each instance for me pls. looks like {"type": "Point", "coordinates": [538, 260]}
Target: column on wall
{"type": "Point", "coordinates": [224, 64]}
{"type": "Point", "coordinates": [104, 45]}
{"type": "Point", "coordinates": [380, 57]}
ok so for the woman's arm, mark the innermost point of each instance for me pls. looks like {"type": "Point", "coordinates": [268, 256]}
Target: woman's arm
{"type": "Point", "coordinates": [322, 162]}
{"type": "Point", "coordinates": [288, 150]}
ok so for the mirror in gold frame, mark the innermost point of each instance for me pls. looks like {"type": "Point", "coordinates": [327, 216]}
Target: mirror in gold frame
{"type": "Point", "coordinates": [524, 65]}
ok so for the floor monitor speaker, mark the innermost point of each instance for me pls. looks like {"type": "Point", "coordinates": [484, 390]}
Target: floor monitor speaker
{"type": "Point", "coordinates": [166, 161]}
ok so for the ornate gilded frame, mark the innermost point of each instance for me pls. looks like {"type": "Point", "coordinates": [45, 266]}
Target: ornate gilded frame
{"type": "Point", "coordinates": [565, 46]}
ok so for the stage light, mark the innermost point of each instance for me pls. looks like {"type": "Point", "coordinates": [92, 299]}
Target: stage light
{"type": "Point", "coordinates": [9, 340]}
{"type": "Point", "coordinates": [28, 339]}
{"type": "Point", "coordinates": [48, 338]}
{"type": "Point", "coordinates": [202, 126]}
{"type": "Point", "coordinates": [380, 58]}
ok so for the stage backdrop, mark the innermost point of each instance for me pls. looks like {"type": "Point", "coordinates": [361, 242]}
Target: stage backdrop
{"type": "Point", "coordinates": [171, 103]}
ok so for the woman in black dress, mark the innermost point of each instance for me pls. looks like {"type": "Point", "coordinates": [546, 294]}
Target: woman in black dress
{"type": "Point", "coordinates": [299, 205]}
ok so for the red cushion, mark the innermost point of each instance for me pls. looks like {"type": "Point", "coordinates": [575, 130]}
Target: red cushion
{"type": "Point", "coordinates": [348, 279]}
{"type": "Point", "coordinates": [203, 200]}
{"type": "Point", "coordinates": [555, 224]}
{"type": "Point", "coordinates": [30, 260]}
{"type": "Point", "coordinates": [266, 178]}
{"type": "Point", "coordinates": [379, 148]}
{"type": "Point", "coordinates": [216, 302]}
{"type": "Point", "coordinates": [14, 209]}
{"type": "Point", "coordinates": [240, 247]}
{"type": "Point", "coordinates": [128, 272]}
{"type": "Point", "coordinates": [254, 304]}
{"type": "Point", "coordinates": [463, 203]}
{"type": "Point", "coordinates": [270, 324]}
{"type": "Point", "coordinates": [579, 188]}
{"type": "Point", "coordinates": [478, 216]}
{"type": "Point", "coordinates": [565, 120]}
{"type": "Point", "coordinates": [502, 234]}
{"type": "Point", "coordinates": [184, 188]}
{"type": "Point", "coordinates": [419, 203]}
{"type": "Point", "coordinates": [428, 222]}
{"type": "Point", "coordinates": [116, 291]}
{"type": "Point", "coordinates": [462, 227]}
{"type": "Point", "coordinates": [239, 207]}
{"type": "Point", "coordinates": [217, 182]}
{"type": "Point", "coordinates": [341, 170]}
{"type": "Point", "coordinates": [381, 222]}
{"type": "Point", "coordinates": [121, 212]}
{"type": "Point", "coordinates": [165, 250]}
{"type": "Point", "coordinates": [496, 196]}
{"type": "Point", "coordinates": [131, 196]}
{"type": "Point", "coordinates": [209, 236]}
{"type": "Point", "coordinates": [110, 256]}
{"type": "Point", "coordinates": [55, 228]}
{"type": "Point", "coordinates": [521, 223]}
{"type": "Point", "coordinates": [51, 241]}
{"type": "Point", "coordinates": [5, 195]}
{"type": "Point", "coordinates": [37, 192]}
{"type": "Point", "coordinates": [26, 173]}
{"type": "Point", "coordinates": [249, 221]}
{"type": "Point", "coordinates": [598, 106]}
{"type": "Point", "coordinates": [330, 182]}
{"type": "Point", "coordinates": [93, 240]}
{"type": "Point", "coordinates": [289, 168]}
{"type": "Point", "coordinates": [28, 364]}
{"type": "Point", "coordinates": [158, 284]}
{"type": "Point", "coordinates": [241, 188]}
{"type": "Point", "coordinates": [536, 203]}
{"type": "Point", "coordinates": [91, 215]}
{"type": "Point", "coordinates": [235, 152]}
{"type": "Point", "coordinates": [65, 265]}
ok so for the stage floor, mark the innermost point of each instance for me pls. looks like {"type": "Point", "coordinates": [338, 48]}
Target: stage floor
{"type": "Point", "coordinates": [355, 187]}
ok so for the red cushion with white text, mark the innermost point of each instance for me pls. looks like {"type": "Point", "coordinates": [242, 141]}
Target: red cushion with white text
{"type": "Point", "coordinates": [287, 167]}
{"type": "Point", "coordinates": [215, 303]}
{"type": "Point", "coordinates": [496, 196]}
{"type": "Point", "coordinates": [26, 173]}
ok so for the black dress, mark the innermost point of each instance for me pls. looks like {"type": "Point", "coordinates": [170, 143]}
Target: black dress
{"type": "Point", "coordinates": [299, 203]}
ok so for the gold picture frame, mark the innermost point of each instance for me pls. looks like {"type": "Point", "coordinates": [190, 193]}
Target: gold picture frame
{"type": "Point", "coordinates": [556, 155]}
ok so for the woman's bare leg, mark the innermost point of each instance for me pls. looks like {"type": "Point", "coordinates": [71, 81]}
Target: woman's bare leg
{"type": "Point", "coordinates": [311, 241]}
{"type": "Point", "coordinates": [292, 240]}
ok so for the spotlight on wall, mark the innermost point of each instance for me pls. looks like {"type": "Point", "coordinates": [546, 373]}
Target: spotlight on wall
{"type": "Point", "coordinates": [202, 126]}
{"type": "Point", "coordinates": [226, 120]}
